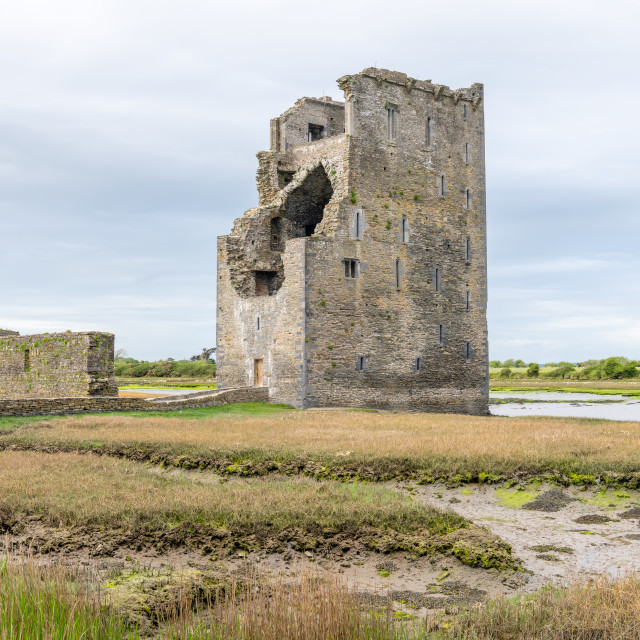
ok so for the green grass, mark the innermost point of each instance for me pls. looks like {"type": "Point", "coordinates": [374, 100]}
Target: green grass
{"type": "Point", "coordinates": [9, 424]}
{"type": "Point", "coordinates": [201, 413]}
{"type": "Point", "coordinates": [50, 604]}
{"type": "Point", "coordinates": [621, 391]}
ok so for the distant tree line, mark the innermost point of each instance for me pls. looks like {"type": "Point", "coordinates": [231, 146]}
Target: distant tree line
{"type": "Point", "coordinates": [614, 368]}
{"type": "Point", "coordinates": [198, 366]}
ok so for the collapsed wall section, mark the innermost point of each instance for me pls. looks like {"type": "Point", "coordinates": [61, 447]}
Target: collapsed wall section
{"type": "Point", "coordinates": [56, 365]}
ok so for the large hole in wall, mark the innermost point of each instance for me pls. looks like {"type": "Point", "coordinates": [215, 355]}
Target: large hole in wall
{"type": "Point", "coordinates": [305, 205]}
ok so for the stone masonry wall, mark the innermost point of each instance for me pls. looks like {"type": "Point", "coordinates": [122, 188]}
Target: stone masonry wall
{"type": "Point", "coordinates": [57, 364]}
{"type": "Point", "coordinates": [393, 326]}
{"type": "Point", "coordinates": [408, 208]}
{"type": "Point", "coordinates": [64, 406]}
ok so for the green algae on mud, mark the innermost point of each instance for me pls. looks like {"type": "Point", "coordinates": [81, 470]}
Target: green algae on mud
{"type": "Point", "coordinates": [515, 498]}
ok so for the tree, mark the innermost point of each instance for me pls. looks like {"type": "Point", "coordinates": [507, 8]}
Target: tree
{"type": "Point", "coordinates": [505, 372]}
{"type": "Point", "coordinates": [495, 364]}
{"type": "Point", "coordinates": [509, 363]}
{"type": "Point", "coordinates": [120, 353]}
{"type": "Point", "coordinates": [205, 355]}
{"type": "Point", "coordinates": [520, 364]}
{"type": "Point", "coordinates": [534, 370]}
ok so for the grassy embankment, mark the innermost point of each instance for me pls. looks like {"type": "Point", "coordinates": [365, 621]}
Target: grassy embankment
{"type": "Point", "coordinates": [255, 439]}
{"type": "Point", "coordinates": [50, 602]}
{"type": "Point", "coordinates": [121, 503]}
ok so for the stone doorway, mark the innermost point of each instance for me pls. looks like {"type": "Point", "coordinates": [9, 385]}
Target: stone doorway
{"type": "Point", "coordinates": [258, 368]}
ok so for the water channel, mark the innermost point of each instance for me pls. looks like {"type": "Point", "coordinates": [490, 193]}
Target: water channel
{"type": "Point", "coordinates": [564, 405]}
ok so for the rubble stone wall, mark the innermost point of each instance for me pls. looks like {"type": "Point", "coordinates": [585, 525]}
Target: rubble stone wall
{"type": "Point", "coordinates": [63, 406]}
{"type": "Point", "coordinates": [57, 364]}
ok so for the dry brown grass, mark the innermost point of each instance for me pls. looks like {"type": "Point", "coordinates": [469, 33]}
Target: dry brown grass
{"type": "Point", "coordinates": [383, 443]}
{"type": "Point", "coordinates": [84, 489]}
{"type": "Point", "coordinates": [605, 609]}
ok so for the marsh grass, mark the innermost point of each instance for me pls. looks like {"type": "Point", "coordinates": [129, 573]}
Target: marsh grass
{"type": "Point", "coordinates": [605, 609]}
{"type": "Point", "coordinates": [68, 489]}
{"type": "Point", "coordinates": [356, 444]}
{"type": "Point", "coordinates": [47, 603]}
{"type": "Point", "coordinates": [52, 603]}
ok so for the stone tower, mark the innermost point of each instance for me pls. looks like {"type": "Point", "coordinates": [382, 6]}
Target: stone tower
{"type": "Point", "coordinates": [360, 279]}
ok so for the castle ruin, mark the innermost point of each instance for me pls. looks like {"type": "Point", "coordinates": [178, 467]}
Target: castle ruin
{"type": "Point", "coordinates": [360, 279]}
{"type": "Point", "coordinates": [52, 365]}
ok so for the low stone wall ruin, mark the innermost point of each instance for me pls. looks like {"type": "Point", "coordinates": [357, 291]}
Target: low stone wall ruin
{"type": "Point", "coordinates": [62, 406]}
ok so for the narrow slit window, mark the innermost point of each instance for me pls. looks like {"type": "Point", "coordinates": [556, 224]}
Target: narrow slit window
{"type": "Point", "coordinates": [398, 274]}
{"type": "Point", "coordinates": [467, 351]}
{"type": "Point", "coordinates": [351, 269]}
{"type": "Point", "coordinates": [393, 116]}
{"type": "Point", "coordinates": [258, 323]}
{"type": "Point", "coordinates": [441, 334]}
{"type": "Point", "coordinates": [467, 300]}
{"type": "Point", "coordinates": [467, 153]}
{"type": "Point", "coordinates": [467, 250]}
{"type": "Point", "coordinates": [359, 225]}
{"type": "Point", "coordinates": [419, 364]}
{"type": "Point", "coordinates": [467, 199]}
{"type": "Point", "coordinates": [27, 360]}
{"type": "Point", "coordinates": [437, 279]}
{"type": "Point", "coordinates": [441, 185]}
{"type": "Point", "coordinates": [361, 363]}
{"type": "Point", "coordinates": [405, 230]}
{"type": "Point", "coordinates": [429, 132]}
{"type": "Point", "coordinates": [465, 111]}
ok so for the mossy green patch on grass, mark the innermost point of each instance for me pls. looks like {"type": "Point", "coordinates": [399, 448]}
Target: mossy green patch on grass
{"type": "Point", "coordinates": [236, 408]}
{"type": "Point", "coordinates": [515, 498]}
{"type": "Point", "coordinates": [466, 492]}
{"type": "Point", "coordinates": [160, 385]}
{"type": "Point", "coordinates": [9, 424]}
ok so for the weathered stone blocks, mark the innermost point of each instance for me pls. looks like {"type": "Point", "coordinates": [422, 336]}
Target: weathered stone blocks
{"type": "Point", "coordinates": [372, 223]}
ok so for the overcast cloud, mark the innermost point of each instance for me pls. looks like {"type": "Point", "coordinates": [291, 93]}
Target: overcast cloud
{"type": "Point", "coordinates": [128, 133]}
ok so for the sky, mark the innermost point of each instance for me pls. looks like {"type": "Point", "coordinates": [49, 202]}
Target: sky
{"type": "Point", "coordinates": [129, 128]}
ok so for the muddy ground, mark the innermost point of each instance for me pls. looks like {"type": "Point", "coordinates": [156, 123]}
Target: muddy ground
{"type": "Point", "coordinates": [558, 535]}
{"type": "Point", "coordinates": [586, 534]}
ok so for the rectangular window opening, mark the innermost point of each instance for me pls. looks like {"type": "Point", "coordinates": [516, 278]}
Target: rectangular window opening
{"type": "Point", "coordinates": [316, 132]}
{"type": "Point", "coordinates": [398, 274]}
{"type": "Point", "coordinates": [467, 153]}
{"type": "Point", "coordinates": [419, 364]}
{"type": "Point", "coordinates": [258, 323]}
{"type": "Point", "coordinates": [467, 200]}
{"type": "Point", "coordinates": [27, 360]}
{"type": "Point", "coordinates": [467, 351]}
{"type": "Point", "coordinates": [465, 111]}
{"type": "Point", "coordinates": [441, 185]}
{"type": "Point", "coordinates": [361, 363]}
{"type": "Point", "coordinates": [350, 269]}
{"type": "Point", "coordinates": [467, 300]}
{"type": "Point", "coordinates": [429, 133]}
{"type": "Point", "coordinates": [266, 282]}
{"type": "Point", "coordinates": [441, 334]}
{"type": "Point", "coordinates": [437, 279]}
{"type": "Point", "coordinates": [467, 250]}
{"type": "Point", "coordinates": [393, 116]}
